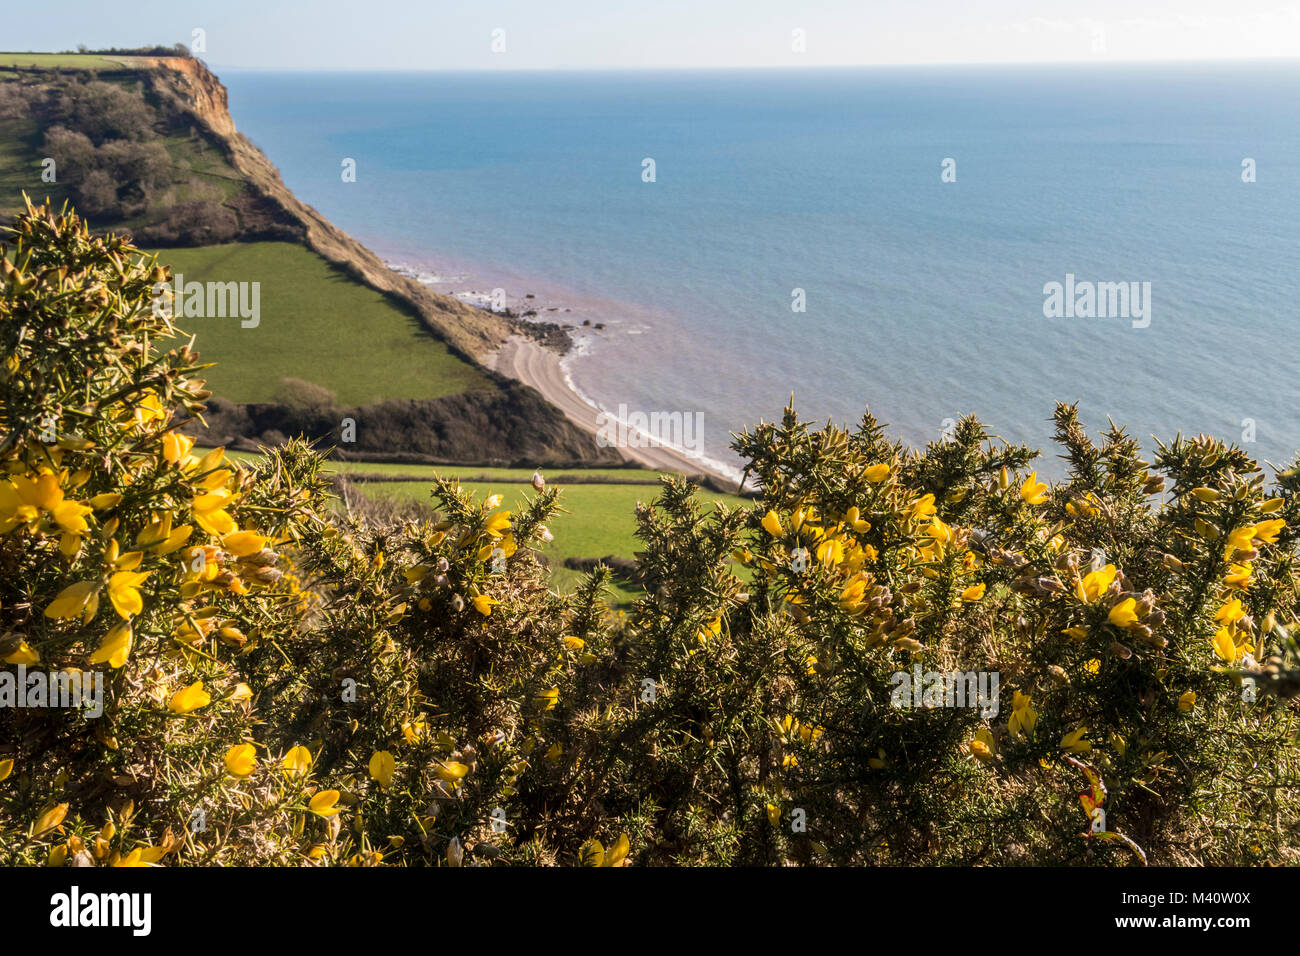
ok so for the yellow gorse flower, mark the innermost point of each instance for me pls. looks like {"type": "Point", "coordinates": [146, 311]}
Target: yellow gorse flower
{"type": "Point", "coordinates": [547, 699]}
{"type": "Point", "coordinates": [1075, 742]}
{"type": "Point", "coordinates": [1023, 717]}
{"type": "Point", "coordinates": [1267, 531]}
{"type": "Point", "coordinates": [497, 524]}
{"type": "Point", "coordinates": [149, 409]}
{"type": "Point", "coordinates": [50, 819]}
{"type": "Point", "coordinates": [1095, 583]}
{"type": "Point", "coordinates": [124, 592]}
{"type": "Point", "coordinates": [75, 600]}
{"type": "Point", "coordinates": [451, 770]}
{"type": "Point", "coordinates": [189, 699]}
{"type": "Point", "coordinates": [24, 499]}
{"type": "Point", "coordinates": [922, 508]}
{"type": "Point", "coordinates": [852, 593]}
{"type": "Point", "coordinates": [324, 804]}
{"type": "Point", "coordinates": [1230, 613]}
{"type": "Point", "coordinates": [710, 630]}
{"type": "Point", "coordinates": [982, 748]}
{"type": "Point", "coordinates": [176, 448]}
{"type": "Point", "coordinates": [243, 543]}
{"type": "Point", "coordinates": [115, 648]}
{"type": "Point", "coordinates": [1033, 491]}
{"type": "Point", "coordinates": [1086, 507]}
{"type": "Point", "coordinates": [1239, 540]}
{"type": "Point", "coordinates": [939, 531]}
{"type": "Point", "coordinates": [241, 760]}
{"type": "Point", "coordinates": [1124, 614]}
{"type": "Point", "coordinates": [1239, 576]}
{"type": "Point", "coordinates": [211, 515]}
{"type": "Point", "coordinates": [23, 654]}
{"type": "Point", "coordinates": [593, 853]}
{"type": "Point", "coordinates": [853, 518]}
{"type": "Point", "coordinates": [830, 552]}
{"type": "Point", "coordinates": [297, 761]}
{"type": "Point", "coordinates": [136, 858]}
{"type": "Point", "coordinates": [1226, 647]}
{"type": "Point", "coordinates": [381, 767]}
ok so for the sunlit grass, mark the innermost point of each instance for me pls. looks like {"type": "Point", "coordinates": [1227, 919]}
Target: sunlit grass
{"type": "Point", "coordinates": [318, 325]}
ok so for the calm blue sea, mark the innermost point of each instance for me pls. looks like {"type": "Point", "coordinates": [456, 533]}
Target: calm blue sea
{"type": "Point", "coordinates": [924, 298]}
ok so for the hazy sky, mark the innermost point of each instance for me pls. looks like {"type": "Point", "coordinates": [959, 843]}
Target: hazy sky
{"type": "Point", "coordinates": [581, 34]}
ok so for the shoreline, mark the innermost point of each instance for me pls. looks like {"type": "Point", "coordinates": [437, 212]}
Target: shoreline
{"type": "Point", "coordinates": [541, 363]}
{"type": "Point", "coordinates": [534, 365]}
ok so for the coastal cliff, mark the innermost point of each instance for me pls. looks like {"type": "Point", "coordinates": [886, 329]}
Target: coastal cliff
{"type": "Point", "coordinates": [189, 88]}
{"type": "Point", "coordinates": [501, 420]}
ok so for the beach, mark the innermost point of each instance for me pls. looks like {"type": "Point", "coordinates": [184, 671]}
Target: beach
{"type": "Point", "coordinates": [540, 368]}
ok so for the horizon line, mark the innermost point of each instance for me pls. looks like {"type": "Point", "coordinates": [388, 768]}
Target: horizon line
{"type": "Point", "coordinates": [1085, 61]}
{"type": "Point", "coordinates": [1096, 60]}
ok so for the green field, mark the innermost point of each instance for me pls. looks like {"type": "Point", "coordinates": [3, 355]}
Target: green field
{"type": "Point", "coordinates": [316, 324]}
{"type": "Point", "coordinates": [20, 167]}
{"type": "Point", "coordinates": [506, 476]}
{"type": "Point", "coordinates": [58, 61]}
{"type": "Point", "coordinates": [599, 519]}
{"type": "Point", "coordinates": [515, 476]}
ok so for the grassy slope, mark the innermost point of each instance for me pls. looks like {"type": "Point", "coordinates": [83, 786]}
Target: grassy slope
{"type": "Point", "coordinates": [20, 166]}
{"type": "Point", "coordinates": [317, 325]}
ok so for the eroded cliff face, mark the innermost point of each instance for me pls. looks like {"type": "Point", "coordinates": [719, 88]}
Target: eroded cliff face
{"type": "Point", "coordinates": [190, 87]}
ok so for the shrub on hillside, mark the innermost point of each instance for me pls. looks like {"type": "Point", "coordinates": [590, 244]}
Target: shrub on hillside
{"type": "Point", "coordinates": [193, 222]}
{"type": "Point", "coordinates": [106, 150]}
{"type": "Point", "coordinates": [176, 49]}
{"type": "Point", "coordinates": [288, 684]}
{"type": "Point", "coordinates": [72, 151]}
{"type": "Point", "coordinates": [299, 395]}
{"type": "Point", "coordinates": [106, 111]}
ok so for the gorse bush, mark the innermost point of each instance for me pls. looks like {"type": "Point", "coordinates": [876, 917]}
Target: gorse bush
{"type": "Point", "coordinates": [287, 683]}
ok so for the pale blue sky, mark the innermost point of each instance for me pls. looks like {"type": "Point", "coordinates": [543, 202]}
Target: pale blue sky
{"type": "Point", "coordinates": [586, 34]}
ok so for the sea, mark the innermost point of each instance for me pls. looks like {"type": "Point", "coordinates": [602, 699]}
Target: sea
{"type": "Point", "coordinates": [884, 238]}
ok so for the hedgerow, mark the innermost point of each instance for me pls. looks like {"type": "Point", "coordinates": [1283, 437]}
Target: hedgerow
{"type": "Point", "coordinates": [289, 683]}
